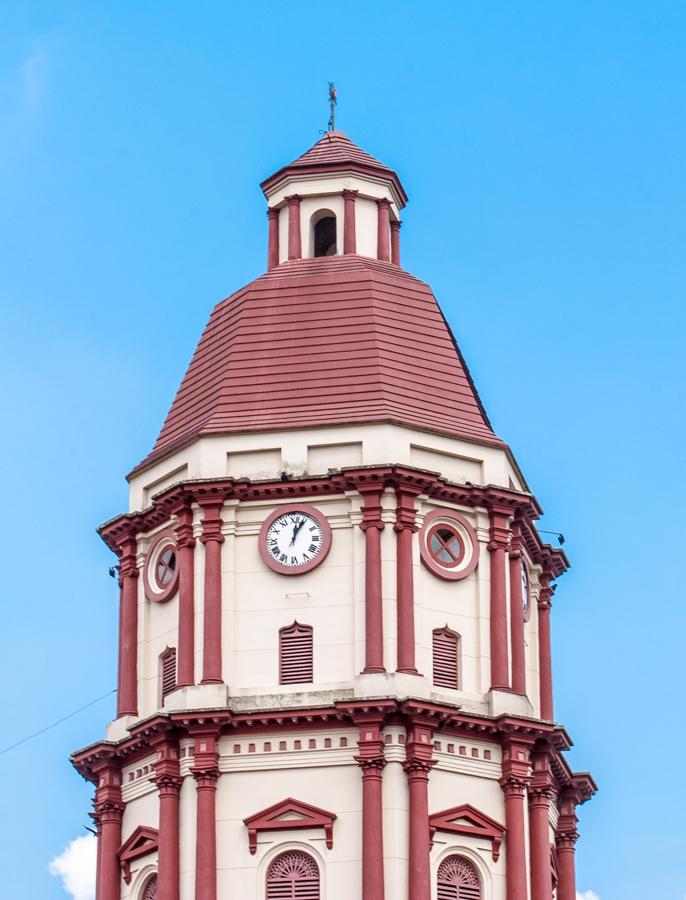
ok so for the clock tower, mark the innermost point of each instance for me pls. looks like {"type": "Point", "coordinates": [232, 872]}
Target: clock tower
{"type": "Point", "coordinates": [335, 677]}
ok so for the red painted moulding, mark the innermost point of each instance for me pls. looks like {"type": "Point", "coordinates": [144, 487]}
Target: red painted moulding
{"type": "Point", "coordinates": [275, 818]}
{"type": "Point", "coordinates": [469, 821]}
{"type": "Point", "coordinates": [273, 564]}
{"type": "Point", "coordinates": [153, 590]}
{"type": "Point", "coordinates": [143, 841]}
{"type": "Point", "coordinates": [471, 551]}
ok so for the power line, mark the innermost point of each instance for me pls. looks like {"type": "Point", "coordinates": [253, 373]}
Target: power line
{"type": "Point", "coordinates": [75, 712]}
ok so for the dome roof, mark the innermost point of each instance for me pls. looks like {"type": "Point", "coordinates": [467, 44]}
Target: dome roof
{"type": "Point", "coordinates": [326, 341]}
{"type": "Point", "coordinates": [335, 152]}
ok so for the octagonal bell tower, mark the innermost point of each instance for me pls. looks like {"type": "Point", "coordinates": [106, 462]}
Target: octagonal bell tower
{"type": "Point", "coordinates": [335, 677]}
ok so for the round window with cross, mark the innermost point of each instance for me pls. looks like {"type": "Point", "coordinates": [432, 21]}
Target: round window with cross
{"type": "Point", "coordinates": [161, 571]}
{"type": "Point", "coordinates": [448, 544]}
{"type": "Point", "coordinates": [445, 545]}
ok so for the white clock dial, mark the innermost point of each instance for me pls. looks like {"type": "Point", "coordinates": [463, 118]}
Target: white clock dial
{"type": "Point", "coordinates": [525, 593]}
{"type": "Point", "coordinates": [294, 539]}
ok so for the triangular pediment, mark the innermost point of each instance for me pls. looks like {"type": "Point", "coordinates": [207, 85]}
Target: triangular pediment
{"type": "Point", "coordinates": [141, 842]}
{"type": "Point", "coordinates": [288, 814]}
{"type": "Point", "coordinates": [467, 820]}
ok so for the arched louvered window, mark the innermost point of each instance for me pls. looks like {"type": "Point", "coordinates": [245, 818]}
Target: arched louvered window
{"type": "Point", "coordinates": [295, 654]}
{"type": "Point", "coordinates": [458, 880]}
{"type": "Point", "coordinates": [150, 890]}
{"type": "Point", "coordinates": [446, 658]}
{"type": "Point", "coordinates": [293, 876]}
{"type": "Point", "coordinates": [168, 671]}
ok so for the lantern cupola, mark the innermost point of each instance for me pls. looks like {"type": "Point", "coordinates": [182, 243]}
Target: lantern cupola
{"type": "Point", "coordinates": [334, 199]}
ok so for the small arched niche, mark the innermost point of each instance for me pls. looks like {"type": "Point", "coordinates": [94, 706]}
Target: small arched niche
{"type": "Point", "coordinates": [324, 233]}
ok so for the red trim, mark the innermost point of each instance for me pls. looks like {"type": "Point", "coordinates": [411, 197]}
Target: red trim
{"type": "Point", "coordinates": [469, 821]}
{"type": "Point", "coordinates": [499, 544]}
{"type": "Point", "coordinates": [275, 818]}
{"type": "Point", "coordinates": [540, 795]}
{"type": "Point", "coordinates": [168, 780]}
{"type": "Point", "coordinates": [276, 566]}
{"type": "Point", "coordinates": [517, 616]}
{"type": "Point", "coordinates": [395, 241]}
{"type": "Point", "coordinates": [418, 763]}
{"type": "Point", "coordinates": [127, 685]}
{"type": "Point", "coordinates": [153, 589]}
{"type": "Point", "coordinates": [545, 668]}
{"type": "Point", "coordinates": [273, 240]}
{"type": "Point", "coordinates": [372, 526]}
{"type": "Point", "coordinates": [213, 539]}
{"type": "Point", "coordinates": [206, 773]}
{"type": "Point", "coordinates": [349, 235]}
{"type": "Point", "coordinates": [461, 569]}
{"type": "Point", "coordinates": [294, 237]}
{"type": "Point", "coordinates": [142, 842]}
{"type": "Point", "coordinates": [185, 543]}
{"type": "Point", "coordinates": [383, 249]}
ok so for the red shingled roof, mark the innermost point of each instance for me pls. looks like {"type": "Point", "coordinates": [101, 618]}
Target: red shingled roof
{"type": "Point", "coordinates": [326, 341]}
{"type": "Point", "coordinates": [333, 152]}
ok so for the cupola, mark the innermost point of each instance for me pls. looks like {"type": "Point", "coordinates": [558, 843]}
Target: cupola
{"type": "Point", "coordinates": [335, 199]}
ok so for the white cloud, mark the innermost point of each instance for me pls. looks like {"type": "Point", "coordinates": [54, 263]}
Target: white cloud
{"type": "Point", "coordinates": [587, 895]}
{"type": "Point", "coordinates": [76, 867]}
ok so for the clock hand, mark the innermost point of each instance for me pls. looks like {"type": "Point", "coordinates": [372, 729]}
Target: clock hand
{"type": "Point", "coordinates": [296, 530]}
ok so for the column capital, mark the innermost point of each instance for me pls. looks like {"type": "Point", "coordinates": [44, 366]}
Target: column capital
{"type": "Point", "coordinates": [212, 522]}
{"type": "Point", "coordinates": [184, 527]}
{"type": "Point", "coordinates": [273, 212]}
{"type": "Point", "coordinates": [349, 194]}
{"type": "Point", "coordinates": [514, 786]}
{"type": "Point", "coordinates": [371, 511]}
{"type": "Point", "coordinates": [396, 224]}
{"type": "Point", "coordinates": [293, 200]}
{"type": "Point", "coordinates": [545, 596]}
{"type": "Point", "coordinates": [384, 203]}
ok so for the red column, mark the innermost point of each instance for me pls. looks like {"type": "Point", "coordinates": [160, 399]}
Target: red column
{"type": "Point", "coordinates": [371, 761]}
{"type": "Point", "coordinates": [545, 667]}
{"type": "Point", "coordinates": [372, 527]}
{"type": "Point", "coordinates": [405, 527]}
{"type": "Point", "coordinates": [294, 239]}
{"type": "Point", "coordinates": [514, 782]}
{"type": "Point", "coordinates": [213, 539]}
{"type": "Point", "coordinates": [517, 616]}
{"type": "Point", "coordinates": [168, 781]}
{"type": "Point", "coordinates": [206, 772]}
{"type": "Point", "coordinates": [395, 241]}
{"type": "Point", "coordinates": [185, 548]}
{"type": "Point", "coordinates": [498, 545]}
{"type": "Point", "coordinates": [540, 793]}
{"type": "Point", "coordinates": [384, 230]}
{"type": "Point", "coordinates": [273, 246]}
{"type": "Point", "coordinates": [109, 809]}
{"type": "Point", "coordinates": [349, 238]}
{"type": "Point", "coordinates": [127, 687]}
{"type": "Point", "coordinates": [417, 765]}
{"type": "Point", "coordinates": [565, 841]}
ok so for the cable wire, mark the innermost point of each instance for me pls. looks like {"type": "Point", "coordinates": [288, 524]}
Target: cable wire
{"type": "Point", "coordinates": [75, 712]}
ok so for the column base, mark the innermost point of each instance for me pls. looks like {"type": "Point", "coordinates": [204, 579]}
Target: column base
{"type": "Point", "coordinates": [506, 702]}
{"type": "Point", "coordinates": [197, 696]}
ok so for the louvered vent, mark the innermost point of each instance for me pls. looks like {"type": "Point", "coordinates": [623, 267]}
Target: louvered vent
{"type": "Point", "coordinates": [168, 659]}
{"type": "Point", "coordinates": [446, 658]}
{"type": "Point", "coordinates": [458, 880]}
{"type": "Point", "coordinates": [293, 876]}
{"type": "Point", "coordinates": [295, 654]}
{"type": "Point", "coordinates": [150, 892]}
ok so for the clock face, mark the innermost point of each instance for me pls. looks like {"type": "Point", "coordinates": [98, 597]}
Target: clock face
{"type": "Point", "coordinates": [525, 593]}
{"type": "Point", "coordinates": [294, 540]}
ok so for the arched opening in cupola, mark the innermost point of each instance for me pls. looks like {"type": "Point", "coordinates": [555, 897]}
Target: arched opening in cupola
{"type": "Point", "coordinates": [324, 235]}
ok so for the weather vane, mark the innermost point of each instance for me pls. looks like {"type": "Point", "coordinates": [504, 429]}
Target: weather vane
{"type": "Point", "coordinates": [332, 105]}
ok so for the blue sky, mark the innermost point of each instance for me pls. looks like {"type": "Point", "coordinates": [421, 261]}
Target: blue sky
{"type": "Point", "coordinates": [542, 146]}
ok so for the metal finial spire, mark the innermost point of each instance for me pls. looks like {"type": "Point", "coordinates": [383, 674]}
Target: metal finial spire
{"type": "Point", "coordinates": [332, 104]}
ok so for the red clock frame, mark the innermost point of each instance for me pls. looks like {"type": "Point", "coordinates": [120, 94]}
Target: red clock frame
{"type": "Point", "coordinates": [276, 566]}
